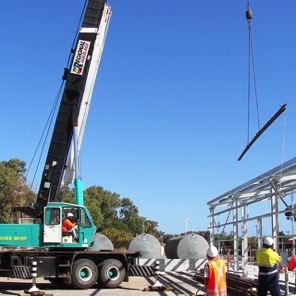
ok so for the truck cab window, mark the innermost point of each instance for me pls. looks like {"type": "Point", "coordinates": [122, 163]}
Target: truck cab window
{"type": "Point", "coordinates": [84, 222]}
{"type": "Point", "coordinates": [52, 216]}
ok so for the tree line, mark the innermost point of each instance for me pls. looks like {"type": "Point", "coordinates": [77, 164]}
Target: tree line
{"type": "Point", "coordinates": [117, 218]}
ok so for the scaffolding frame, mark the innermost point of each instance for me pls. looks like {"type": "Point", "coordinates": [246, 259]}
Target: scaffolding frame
{"type": "Point", "coordinates": [271, 187]}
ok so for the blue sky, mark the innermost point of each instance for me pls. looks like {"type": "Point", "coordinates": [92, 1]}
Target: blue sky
{"type": "Point", "coordinates": [168, 119]}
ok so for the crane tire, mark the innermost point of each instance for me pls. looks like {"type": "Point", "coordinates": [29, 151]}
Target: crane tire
{"type": "Point", "coordinates": [111, 273]}
{"type": "Point", "coordinates": [84, 273]}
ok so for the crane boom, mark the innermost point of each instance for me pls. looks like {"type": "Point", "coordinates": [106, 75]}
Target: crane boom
{"type": "Point", "coordinates": [87, 95]}
{"type": "Point", "coordinates": [75, 101]}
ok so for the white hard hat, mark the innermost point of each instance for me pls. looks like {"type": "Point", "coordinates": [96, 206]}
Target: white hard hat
{"type": "Point", "coordinates": [69, 215]}
{"type": "Point", "coordinates": [212, 251]}
{"type": "Point", "coordinates": [268, 241]}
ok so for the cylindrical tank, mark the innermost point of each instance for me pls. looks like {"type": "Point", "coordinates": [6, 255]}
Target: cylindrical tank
{"type": "Point", "coordinates": [190, 246]}
{"type": "Point", "coordinates": [147, 244]}
{"type": "Point", "coordinates": [101, 243]}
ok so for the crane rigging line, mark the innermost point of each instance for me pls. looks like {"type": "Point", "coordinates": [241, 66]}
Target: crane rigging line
{"type": "Point", "coordinates": [251, 62]}
{"type": "Point", "coordinates": [283, 143]}
{"type": "Point", "coordinates": [249, 17]}
{"type": "Point", "coordinates": [44, 137]}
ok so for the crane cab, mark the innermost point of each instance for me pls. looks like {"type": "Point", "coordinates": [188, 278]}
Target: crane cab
{"type": "Point", "coordinates": [55, 215]}
{"type": "Point", "coordinates": [48, 231]}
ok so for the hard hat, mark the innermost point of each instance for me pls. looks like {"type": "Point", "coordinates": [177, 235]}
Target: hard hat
{"type": "Point", "coordinates": [268, 241]}
{"type": "Point", "coordinates": [69, 215]}
{"type": "Point", "coordinates": [212, 251]}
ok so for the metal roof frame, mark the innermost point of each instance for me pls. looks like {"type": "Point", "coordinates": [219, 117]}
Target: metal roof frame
{"type": "Point", "coordinates": [271, 186]}
{"type": "Point", "coordinates": [282, 177]}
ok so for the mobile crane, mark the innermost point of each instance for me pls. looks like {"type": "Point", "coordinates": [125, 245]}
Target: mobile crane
{"type": "Point", "coordinates": [38, 237]}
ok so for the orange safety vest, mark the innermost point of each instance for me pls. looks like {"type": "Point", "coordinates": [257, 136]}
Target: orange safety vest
{"type": "Point", "coordinates": [292, 263]}
{"type": "Point", "coordinates": [67, 225]}
{"type": "Point", "coordinates": [217, 278]}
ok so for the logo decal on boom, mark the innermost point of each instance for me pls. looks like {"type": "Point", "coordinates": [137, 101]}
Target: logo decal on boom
{"type": "Point", "coordinates": [80, 57]}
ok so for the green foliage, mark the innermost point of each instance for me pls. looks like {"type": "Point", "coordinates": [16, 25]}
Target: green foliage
{"type": "Point", "coordinates": [109, 211]}
{"type": "Point", "coordinates": [66, 195]}
{"type": "Point", "coordinates": [253, 242]}
{"type": "Point", "coordinates": [129, 215]}
{"type": "Point", "coordinates": [117, 218]}
{"type": "Point", "coordinates": [151, 228]}
{"type": "Point", "coordinates": [13, 188]}
{"type": "Point", "coordinates": [205, 235]}
{"type": "Point", "coordinates": [119, 238]}
{"type": "Point", "coordinates": [103, 206]}
{"type": "Point", "coordinates": [128, 211]}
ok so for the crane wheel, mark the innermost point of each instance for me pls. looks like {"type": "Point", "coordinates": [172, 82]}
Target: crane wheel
{"type": "Point", "coordinates": [111, 273]}
{"type": "Point", "coordinates": [84, 273]}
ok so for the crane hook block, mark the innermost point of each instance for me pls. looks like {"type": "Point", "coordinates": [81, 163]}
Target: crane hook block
{"type": "Point", "coordinates": [249, 14]}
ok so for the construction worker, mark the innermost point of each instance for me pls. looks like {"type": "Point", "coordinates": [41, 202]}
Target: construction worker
{"type": "Point", "coordinates": [292, 263]}
{"type": "Point", "coordinates": [215, 274]}
{"type": "Point", "coordinates": [267, 260]}
{"type": "Point", "coordinates": [69, 226]}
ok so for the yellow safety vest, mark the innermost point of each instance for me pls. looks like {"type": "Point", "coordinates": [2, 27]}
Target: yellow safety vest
{"type": "Point", "coordinates": [267, 260]}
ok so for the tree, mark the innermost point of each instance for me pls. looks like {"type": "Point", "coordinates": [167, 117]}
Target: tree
{"type": "Point", "coordinates": [151, 228]}
{"type": "Point", "coordinates": [205, 235]}
{"type": "Point", "coordinates": [253, 242]}
{"type": "Point", "coordinates": [128, 211]}
{"type": "Point", "coordinates": [108, 210]}
{"type": "Point", "coordinates": [119, 238]}
{"type": "Point", "coordinates": [103, 206]}
{"type": "Point", "coordinates": [129, 215]}
{"type": "Point", "coordinates": [13, 188]}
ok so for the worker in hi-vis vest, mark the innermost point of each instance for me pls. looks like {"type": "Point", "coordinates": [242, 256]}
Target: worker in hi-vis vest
{"type": "Point", "coordinates": [292, 263]}
{"type": "Point", "coordinates": [215, 274]}
{"type": "Point", "coordinates": [267, 260]}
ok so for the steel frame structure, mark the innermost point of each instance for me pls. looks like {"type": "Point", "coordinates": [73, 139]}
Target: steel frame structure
{"type": "Point", "coordinates": [272, 188]}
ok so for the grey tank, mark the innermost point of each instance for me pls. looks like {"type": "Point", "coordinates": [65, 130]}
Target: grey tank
{"type": "Point", "coordinates": [101, 243]}
{"type": "Point", "coordinates": [190, 246]}
{"type": "Point", "coordinates": [147, 244]}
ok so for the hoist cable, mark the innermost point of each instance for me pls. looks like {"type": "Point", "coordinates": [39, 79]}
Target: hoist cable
{"type": "Point", "coordinates": [281, 172]}
{"type": "Point", "coordinates": [249, 85]}
{"type": "Point", "coordinates": [251, 69]}
{"type": "Point", "coordinates": [44, 136]}
{"type": "Point", "coordinates": [283, 143]}
{"type": "Point", "coordinates": [249, 16]}
{"type": "Point", "coordinates": [255, 83]}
